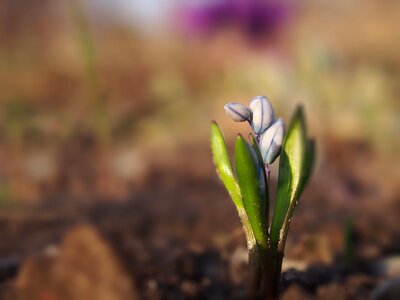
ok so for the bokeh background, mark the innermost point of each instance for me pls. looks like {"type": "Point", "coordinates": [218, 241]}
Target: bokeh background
{"type": "Point", "coordinates": [107, 188]}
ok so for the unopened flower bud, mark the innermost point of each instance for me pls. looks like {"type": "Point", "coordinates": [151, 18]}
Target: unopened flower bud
{"type": "Point", "coordinates": [237, 112]}
{"type": "Point", "coordinates": [271, 141]}
{"type": "Point", "coordinates": [263, 114]}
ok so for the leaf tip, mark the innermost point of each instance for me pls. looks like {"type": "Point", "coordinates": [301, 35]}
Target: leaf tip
{"type": "Point", "coordinates": [239, 138]}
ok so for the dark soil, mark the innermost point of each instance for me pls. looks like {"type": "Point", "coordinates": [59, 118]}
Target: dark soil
{"type": "Point", "coordinates": [178, 237]}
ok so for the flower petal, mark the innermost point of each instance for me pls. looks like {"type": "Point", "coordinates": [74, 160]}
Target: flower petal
{"type": "Point", "coordinates": [237, 112]}
{"type": "Point", "coordinates": [271, 141]}
{"type": "Point", "coordinates": [263, 114]}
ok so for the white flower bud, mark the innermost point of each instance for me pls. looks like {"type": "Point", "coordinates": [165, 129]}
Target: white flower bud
{"type": "Point", "coordinates": [237, 112]}
{"type": "Point", "coordinates": [263, 114]}
{"type": "Point", "coordinates": [271, 141]}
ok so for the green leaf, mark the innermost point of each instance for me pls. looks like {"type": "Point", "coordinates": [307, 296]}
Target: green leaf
{"type": "Point", "coordinates": [223, 165]}
{"type": "Point", "coordinates": [247, 172]}
{"type": "Point", "coordinates": [308, 163]}
{"type": "Point", "coordinates": [294, 169]}
{"type": "Point", "coordinates": [263, 179]}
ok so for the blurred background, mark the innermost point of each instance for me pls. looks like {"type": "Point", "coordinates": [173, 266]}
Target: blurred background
{"type": "Point", "coordinates": [107, 188]}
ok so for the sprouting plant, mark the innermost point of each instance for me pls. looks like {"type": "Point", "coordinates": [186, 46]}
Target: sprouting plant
{"type": "Point", "coordinates": [248, 184]}
{"type": "Point", "coordinates": [87, 51]}
{"type": "Point", "coordinates": [348, 236]}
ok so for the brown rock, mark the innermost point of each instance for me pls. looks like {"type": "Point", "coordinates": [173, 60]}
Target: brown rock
{"type": "Point", "coordinates": [295, 292]}
{"type": "Point", "coordinates": [332, 291]}
{"type": "Point", "coordinates": [312, 249]}
{"type": "Point", "coordinates": [84, 268]}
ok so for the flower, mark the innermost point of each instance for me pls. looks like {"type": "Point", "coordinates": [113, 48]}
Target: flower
{"type": "Point", "coordinates": [271, 141]}
{"type": "Point", "coordinates": [238, 112]}
{"type": "Point", "coordinates": [260, 115]}
{"type": "Point", "coordinates": [263, 114]}
{"type": "Point", "coordinates": [253, 18]}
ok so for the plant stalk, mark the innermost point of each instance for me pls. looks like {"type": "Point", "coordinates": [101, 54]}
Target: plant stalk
{"type": "Point", "coordinates": [255, 273]}
{"type": "Point", "coordinates": [278, 259]}
{"type": "Point", "coordinates": [268, 274]}
{"type": "Point", "coordinates": [277, 273]}
{"type": "Point", "coordinates": [254, 256]}
{"type": "Point", "coordinates": [261, 273]}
